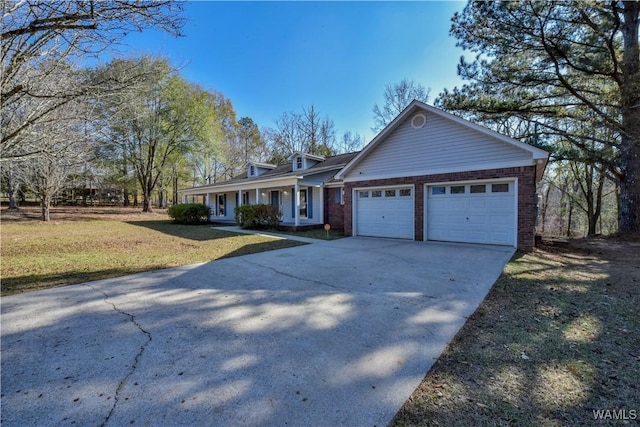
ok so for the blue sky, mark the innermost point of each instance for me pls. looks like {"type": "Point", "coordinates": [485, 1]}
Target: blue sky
{"type": "Point", "coordinates": [272, 57]}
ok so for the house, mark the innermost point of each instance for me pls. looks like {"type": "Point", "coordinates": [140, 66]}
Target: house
{"type": "Point", "coordinates": [428, 175]}
{"type": "Point", "coordinates": [299, 189]}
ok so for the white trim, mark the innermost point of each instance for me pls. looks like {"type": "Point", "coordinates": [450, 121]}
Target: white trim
{"type": "Point", "coordinates": [305, 155]}
{"type": "Point", "coordinates": [471, 181]}
{"type": "Point", "coordinates": [472, 168]}
{"type": "Point", "coordinates": [425, 216]}
{"type": "Point", "coordinates": [233, 187]}
{"type": "Point", "coordinates": [536, 153]}
{"type": "Point", "coordinates": [354, 198]}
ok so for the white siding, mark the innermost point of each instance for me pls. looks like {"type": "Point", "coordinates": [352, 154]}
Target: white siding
{"type": "Point", "coordinates": [287, 202]}
{"type": "Point", "coordinates": [440, 146]}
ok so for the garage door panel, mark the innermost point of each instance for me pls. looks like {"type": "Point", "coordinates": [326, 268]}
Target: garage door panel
{"type": "Point", "coordinates": [501, 204]}
{"type": "Point", "coordinates": [457, 204]}
{"type": "Point", "coordinates": [472, 217]}
{"type": "Point", "coordinates": [477, 203]}
{"type": "Point", "coordinates": [502, 219]}
{"type": "Point", "coordinates": [389, 215]}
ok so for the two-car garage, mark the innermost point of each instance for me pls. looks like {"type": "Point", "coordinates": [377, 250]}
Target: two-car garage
{"type": "Point", "coordinates": [431, 175]}
{"type": "Point", "coordinates": [472, 212]}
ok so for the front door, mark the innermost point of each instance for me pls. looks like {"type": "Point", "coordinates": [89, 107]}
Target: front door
{"type": "Point", "coordinates": [275, 199]}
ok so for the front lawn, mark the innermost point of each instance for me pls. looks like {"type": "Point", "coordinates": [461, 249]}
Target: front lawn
{"type": "Point", "coordinates": [92, 244]}
{"type": "Point", "coordinates": [555, 343]}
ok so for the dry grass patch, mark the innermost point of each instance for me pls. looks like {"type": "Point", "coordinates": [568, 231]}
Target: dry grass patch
{"type": "Point", "coordinates": [557, 338]}
{"type": "Point", "coordinates": [91, 244]}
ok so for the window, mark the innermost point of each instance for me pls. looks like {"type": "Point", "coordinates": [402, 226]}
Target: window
{"type": "Point", "coordinates": [221, 204]}
{"type": "Point", "coordinates": [363, 194]}
{"type": "Point", "coordinates": [252, 170]}
{"type": "Point", "coordinates": [478, 189]}
{"type": "Point", "coordinates": [437, 190]}
{"type": "Point", "coordinates": [298, 163]}
{"type": "Point", "coordinates": [245, 198]}
{"type": "Point", "coordinates": [337, 196]}
{"type": "Point", "coordinates": [500, 188]}
{"type": "Point", "coordinates": [405, 192]}
{"type": "Point", "coordinates": [303, 203]}
{"type": "Point", "coordinates": [457, 189]}
{"type": "Point", "coordinates": [376, 193]}
{"type": "Point", "coordinates": [389, 193]}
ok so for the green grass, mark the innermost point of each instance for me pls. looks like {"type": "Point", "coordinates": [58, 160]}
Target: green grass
{"type": "Point", "coordinates": [320, 234]}
{"type": "Point", "coordinates": [556, 338]}
{"type": "Point", "coordinates": [37, 255]}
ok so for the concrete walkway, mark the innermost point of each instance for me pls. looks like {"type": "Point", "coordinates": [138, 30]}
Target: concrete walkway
{"type": "Point", "coordinates": [237, 229]}
{"type": "Point", "coordinates": [330, 334]}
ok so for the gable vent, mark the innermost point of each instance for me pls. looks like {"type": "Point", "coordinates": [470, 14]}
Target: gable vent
{"type": "Point", "coordinates": [418, 121]}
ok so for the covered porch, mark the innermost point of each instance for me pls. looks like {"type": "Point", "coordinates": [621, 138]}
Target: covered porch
{"type": "Point", "coordinates": [300, 203]}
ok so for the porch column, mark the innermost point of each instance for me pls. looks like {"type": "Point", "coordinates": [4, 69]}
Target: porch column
{"type": "Point", "coordinates": [321, 190]}
{"type": "Point", "coordinates": [296, 207]}
{"type": "Point", "coordinates": [206, 199]}
{"type": "Point", "coordinates": [239, 197]}
{"type": "Point", "coordinates": [257, 196]}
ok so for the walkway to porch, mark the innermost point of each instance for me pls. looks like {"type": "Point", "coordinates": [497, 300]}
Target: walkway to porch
{"type": "Point", "coordinates": [237, 229]}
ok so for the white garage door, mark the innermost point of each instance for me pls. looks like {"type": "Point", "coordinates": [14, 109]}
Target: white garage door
{"type": "Point", "coordinates": [385, 212]}
{"type": "Point", "coordinates": [474, 213]}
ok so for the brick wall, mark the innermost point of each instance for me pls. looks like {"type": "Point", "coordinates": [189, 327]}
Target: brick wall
{"type": "Point", "coordinates": [333, 212]}
{"type": "Point", "coordinates": [526, 193]}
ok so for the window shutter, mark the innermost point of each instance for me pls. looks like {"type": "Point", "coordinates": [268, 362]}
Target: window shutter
{"type": "Point", "coordinates": [224, 198]}
{"type": "Point", "coordinates": [310, 202]}
{"type": "Point", "coordinates": [293, 203]}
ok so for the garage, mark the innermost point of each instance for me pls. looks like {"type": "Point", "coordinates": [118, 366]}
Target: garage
{"type": "Point", "coordinates": [478, 212]}
{"type": "Point", "coordinates": [384, 212]}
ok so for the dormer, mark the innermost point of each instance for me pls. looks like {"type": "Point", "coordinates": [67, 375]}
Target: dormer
{"type": "Point", "coordinates": [255, 169]}
{"type": "Point", "coordinates": [302, 161]}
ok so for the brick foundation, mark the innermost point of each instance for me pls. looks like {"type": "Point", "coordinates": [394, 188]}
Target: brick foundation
{"type": "Point", "coordinates": [526, 176]}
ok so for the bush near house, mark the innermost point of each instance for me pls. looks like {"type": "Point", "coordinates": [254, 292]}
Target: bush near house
{"type": "Point", "coordinates": [257, 216]}
{"type": "Point", "coordinates": [189, 213]}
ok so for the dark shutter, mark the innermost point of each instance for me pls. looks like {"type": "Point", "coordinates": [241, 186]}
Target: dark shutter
{"type": "Point", "coordinates": [293, 203]}
{"type": "Point", "coordinates": [224, 198]}
{"type": "Point", "coordinates": [310, 202]}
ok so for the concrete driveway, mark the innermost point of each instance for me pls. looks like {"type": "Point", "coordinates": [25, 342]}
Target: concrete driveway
{"type": "Point", "coordinates": [327, 334]}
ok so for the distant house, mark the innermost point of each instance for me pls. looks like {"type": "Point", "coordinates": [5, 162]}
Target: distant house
{"type": "Point", "coordinates": [428, 175]}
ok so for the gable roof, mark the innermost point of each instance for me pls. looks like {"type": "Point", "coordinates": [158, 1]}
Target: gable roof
{"type": "Point", "coordinates": [307, 155]}
{"type": "Point", "coordinates": [260, 165]}
{"type": "Point", "coordinates": [536, 153]}
{"type": "Point", "coordinates": [284, 171]}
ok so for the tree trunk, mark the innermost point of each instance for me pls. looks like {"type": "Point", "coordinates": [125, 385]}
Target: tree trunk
{"type": "Point", "coordinates": [175, 190]}
{"type": "Point", "coordinates": [45, 203]}
{"type": "Point", "coordinates": [630, 144]}
{"type": "Point", "coordinates": [146, 198]}
{"type": "Point", "coordinates": [13, 200]}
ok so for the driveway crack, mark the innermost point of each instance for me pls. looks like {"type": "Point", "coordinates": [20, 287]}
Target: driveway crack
{"type": "Point", "coordinates": [317, 282]}
{"type": "Point", "coordinates": [136, 359]}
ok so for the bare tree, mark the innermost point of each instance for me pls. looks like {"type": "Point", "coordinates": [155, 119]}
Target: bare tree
{"type": "Point", "coordinates": [350, 142]}
{"type": "Point", "coordinates": [396, 98]}
{"type": "Point", "coordinates": [38, 32]}
{"type": "Point", "coordinates": [307, 132]}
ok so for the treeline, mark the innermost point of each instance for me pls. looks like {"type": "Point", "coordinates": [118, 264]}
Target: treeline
{"type": "Point", "coordinates": [561, 76]}
{"type": "Point", "coordinates": [134, 128]}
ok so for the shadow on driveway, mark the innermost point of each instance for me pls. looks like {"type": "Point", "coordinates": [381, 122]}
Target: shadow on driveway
{"type": "Point", "coordinates": [335, 333]}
